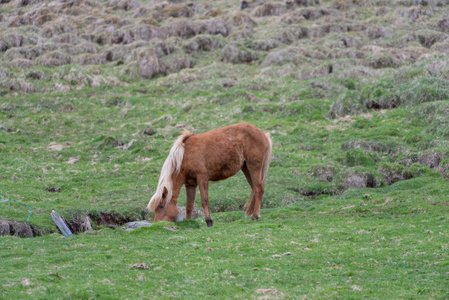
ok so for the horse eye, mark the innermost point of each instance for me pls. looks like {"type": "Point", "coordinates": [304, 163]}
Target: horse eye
{"type": "Point", "coordinates": [162, 206]}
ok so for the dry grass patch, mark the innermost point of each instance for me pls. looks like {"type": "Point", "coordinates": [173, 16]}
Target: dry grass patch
{"type": "Point", "coordinates": [96, 33]}
{"type": "Point", "coordinates": [270, 9]}
{"type": "Point", "coordinates": [357, 178]}
{"type": "Point", "coordinates": [54, 58]}
{"type": "Point", "coordinates": [237, 54]}
{"type": "Point", "coordinates": [203, 42]}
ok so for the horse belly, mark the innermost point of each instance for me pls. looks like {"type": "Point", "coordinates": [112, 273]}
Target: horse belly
{"type": "Point", "coordinates": [225, 170]}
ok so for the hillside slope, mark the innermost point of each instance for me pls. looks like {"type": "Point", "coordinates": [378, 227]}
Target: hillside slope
{"type": "Point", "coordinates": [355, 94]}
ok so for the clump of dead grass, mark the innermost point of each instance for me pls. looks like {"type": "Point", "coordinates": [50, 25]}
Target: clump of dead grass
{"type": "Point", "coordinates": [284, 56]}
{"type": "Point", "coordinates": [393, 173]}
{"type": "Point", "coordinates": [265, 44]}
{"type": "Point", "coordinates": [124, 4]}
{"type": "Point", "coordinates": [91, 59]}
{"type": "Point", "coordinates": [441, 47]}
{"type": "Point", "coordinates": [21, 63]}
{"type": "Point", "coordinates": [443, 25]}
{"type": "Point", "coordinates": [35, 74]}
{"type": "Point", "coordinates": [416, 12]}
{"type": "Point", "coordinates": [324, 172]}
{"type": "Point", "coordinates": [203, 42]}
{"type": "Point", "coordinates": [357, 178]}
{"type": "Point", "coordinates": [269, 9]}
{"type": "Point", "coordinates": [237, 54]}
{"type": "Point", "coordinates": [174, 63]}
{"type": "Point", "coordinates": [307, 2]}
{"type": "Point", "coordinates": [54, 58]}
{"type": "Point", "coordinates": [149, 66]}
{"type": "Point", "coordinates": [429, 37]}
{"type": "Point", "coordinates": [347, 103]}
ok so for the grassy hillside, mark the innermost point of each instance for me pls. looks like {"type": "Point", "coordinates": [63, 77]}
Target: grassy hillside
{"type": "Point", "coordinates": [354, 93]}
{"type": "Point", "coordinates": [390, 245]}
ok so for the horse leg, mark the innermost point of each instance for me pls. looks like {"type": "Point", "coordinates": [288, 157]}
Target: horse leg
{"type": "Point", "coordinates": [255, 173]}
{"type": "Point", "coordinates": [204, 186]}
{"type": "Point", "coordinates": [190, 191]}
{"type": "Point", "coordinates": [250, 203]}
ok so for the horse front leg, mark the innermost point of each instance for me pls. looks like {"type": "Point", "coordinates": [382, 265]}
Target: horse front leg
{"type": "Point", "coordinates": [190, 193]}
{"type": "Point", "coordinates": [204, 187]}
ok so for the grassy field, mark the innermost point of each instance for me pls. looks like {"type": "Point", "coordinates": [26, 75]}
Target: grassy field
{"type": "Point", "coordinates": [354, 93]}
{"type": "Point", "coordinates": [390, 245]}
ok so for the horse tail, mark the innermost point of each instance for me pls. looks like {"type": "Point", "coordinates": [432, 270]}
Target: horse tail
{"type": "Point", "coordinates": [268, 155]}
{"type": "Point", "coordinates": [266, 164]}
{"type": "Point", "coordinates": [171, 165]}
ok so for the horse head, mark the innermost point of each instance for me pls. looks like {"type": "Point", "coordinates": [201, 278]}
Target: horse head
{"type": "Point", "coordinates": [165, 211]}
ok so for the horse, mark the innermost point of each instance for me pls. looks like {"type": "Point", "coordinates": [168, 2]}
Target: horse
{"type": "Point", "coordinates": [196, 159]}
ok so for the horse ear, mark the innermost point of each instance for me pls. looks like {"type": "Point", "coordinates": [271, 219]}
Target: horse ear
{"type": "Point", "coordinates": [164, 193]}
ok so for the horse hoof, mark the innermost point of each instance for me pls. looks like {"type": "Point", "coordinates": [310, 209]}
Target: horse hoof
{"type": "Point", "coordinates": [255, 218]}
{"type": "Point", "coordinates": [209, 223]}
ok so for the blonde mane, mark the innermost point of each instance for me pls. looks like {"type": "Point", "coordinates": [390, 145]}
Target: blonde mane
{"type": "Point", "coordinates": [171, 165]}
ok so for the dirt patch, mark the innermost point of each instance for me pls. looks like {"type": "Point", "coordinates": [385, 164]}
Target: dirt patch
{"type": "Point", "coordinates": [19, 229]}
{"type": "Point", "coordinates": [79, 224]}
{"type": "Point", "coordinates": [112, 220]}
{"type": "Point", "coordinates": [54, 189]}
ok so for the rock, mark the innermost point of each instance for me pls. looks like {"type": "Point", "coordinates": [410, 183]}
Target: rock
{"type": "Point", "coordinates": [4, 228]}
{"type": "Point", "coordinates": [196, 213]}
{"type": "Point", "coordinates": [79, 224]}
{"type": "Point", "coordinates": [130, 226]}
{"type": "Point", "coordinates": [141, 266]}
{"type": "Point", "coordinates": [20, 229]}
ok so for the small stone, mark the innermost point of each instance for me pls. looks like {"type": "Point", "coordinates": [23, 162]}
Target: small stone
{"type": "Point", "coordinates": [130, 226]}
{"type": "Point", "coordinates": [26, 282]}
{"type": "Point", "coordinates": [73, 160]}
{"type": "Point", "coordinates": [141, 266]}
{"type": "Point", "coordinates": [266, 291]}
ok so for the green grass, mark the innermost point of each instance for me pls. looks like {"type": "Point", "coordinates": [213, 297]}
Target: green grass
{"type": "Point", "coordinates": [117, 164]}
{"type": "Point", "coordinates": [389, 242]}
{"type": "Point", "coordinates": [389, 245]}
{"type": "Point", "coordinates": [355, 201]}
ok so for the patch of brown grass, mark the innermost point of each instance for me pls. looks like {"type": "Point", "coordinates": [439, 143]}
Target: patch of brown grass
{"type": "Point", "coordinates": [124, 4]}
{"type": "Point", "coordinates": [203, 42]}
{"type": "Point", "coordinates": [21, 63]}
{"type": "Point", "coordinates": [149, 66]}
{"type": "Point", "coordinates": [91, 59]}
{"type": "Point", "coordinates": [269, 9]}
{"type": "Point", "coordinates": [238, 54]}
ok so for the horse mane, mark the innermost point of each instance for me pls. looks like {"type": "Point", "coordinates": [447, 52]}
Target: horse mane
{"type": "Point", "coordinates": [171, 165]}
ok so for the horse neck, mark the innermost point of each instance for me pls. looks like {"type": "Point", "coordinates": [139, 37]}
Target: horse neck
{"type": "Point", "coordinates": [178, 181]}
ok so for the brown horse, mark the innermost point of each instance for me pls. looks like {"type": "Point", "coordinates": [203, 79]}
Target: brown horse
{"type": "Point", "coordinates": [194, 160]}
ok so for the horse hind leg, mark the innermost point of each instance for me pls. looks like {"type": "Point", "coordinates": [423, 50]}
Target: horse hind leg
{"type": "Point", "coordinates": [190, 193]}
{"type": "Point", "coordinates": [253, 175]}
{"type": "Point", "coordinates": [249, 205]}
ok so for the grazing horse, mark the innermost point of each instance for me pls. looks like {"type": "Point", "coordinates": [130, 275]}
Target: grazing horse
{"type": "Point", "coordinates": [196, 159]}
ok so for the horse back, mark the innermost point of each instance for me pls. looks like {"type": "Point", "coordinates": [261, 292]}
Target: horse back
{"type": "Point", "coordinates": [221, 153]}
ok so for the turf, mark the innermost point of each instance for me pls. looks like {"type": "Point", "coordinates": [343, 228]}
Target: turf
{"type": "Point", "coordinates": [354, 94]}
{"type": "Point", "coordinates": [389, 244]}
